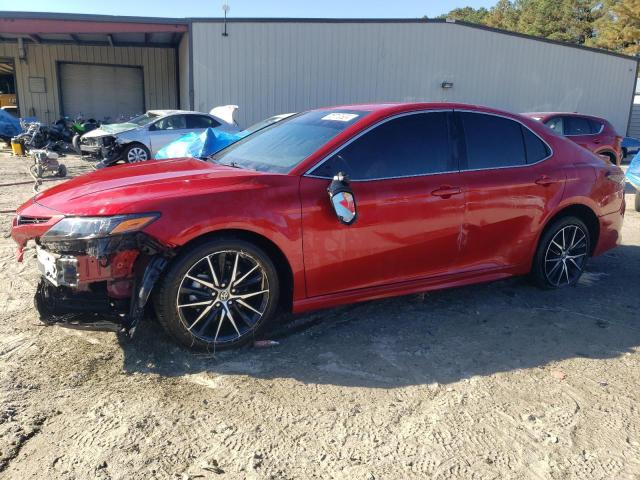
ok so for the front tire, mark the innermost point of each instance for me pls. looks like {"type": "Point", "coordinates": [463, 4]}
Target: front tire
{"type": "Point", "coordinates": [218, 295]}
{"type": "Point", "coordinates": [562, 254]}
{"type": "Point", "coordinates": [637, 202]}
{"type": "Point", "coordinates": [135, 153]}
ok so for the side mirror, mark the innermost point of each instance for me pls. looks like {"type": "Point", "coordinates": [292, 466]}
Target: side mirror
{"type": "Point", "coordinates": [152, 127]}
{"type": "Point", "coordinates": [342, 199]}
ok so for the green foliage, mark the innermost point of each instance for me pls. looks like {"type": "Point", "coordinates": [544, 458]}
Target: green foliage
{"type": "Point", "coordinates": [618, 28]}
{"type": "Point", "coordinates": [468, 14]}
{"type": "Point", "coordinates": [609, 24]}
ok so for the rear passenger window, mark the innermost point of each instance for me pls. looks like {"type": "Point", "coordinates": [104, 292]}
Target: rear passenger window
{"type": "Point", "coordinates": [201, 121]}
{"type": "Point", "coordinates": [536, 149]}
{"type": "Point", "coordinates": [596, 126]}
{"type": "Point", "coordinates": [415, 144]}
{"type": "Point", "coordinates": [492, 141]}
{"type": "Point", "coordinates": [577, 126]}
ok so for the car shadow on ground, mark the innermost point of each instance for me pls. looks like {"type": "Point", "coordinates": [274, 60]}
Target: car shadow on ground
{"type": "Point", "coordinates": [441, 337]}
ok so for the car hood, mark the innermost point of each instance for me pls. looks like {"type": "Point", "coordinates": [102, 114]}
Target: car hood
{"type": "Point", "coordinates": [110, 129]}
{"type": "Point", "coordinates": [136, 187]}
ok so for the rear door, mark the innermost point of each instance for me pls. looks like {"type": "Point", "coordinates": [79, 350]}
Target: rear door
{"type": "Point", "coordinates": [510, 182]}
{"type": "Point", "coordinates": [199, 123]}
{"type": "Point", "coordinates": [410, 207]}
{"type": "Point", "coordinates": [581, 130]}
{"type": "Point", "coordinates": [166, 130]}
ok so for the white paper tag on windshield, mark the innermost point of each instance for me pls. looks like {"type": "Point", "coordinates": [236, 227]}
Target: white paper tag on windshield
{"type": "Point", "coordinates": [340, 117]}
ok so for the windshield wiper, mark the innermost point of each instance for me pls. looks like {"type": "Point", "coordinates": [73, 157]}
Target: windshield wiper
{"type": "Point", "coordinates": [230, 164]}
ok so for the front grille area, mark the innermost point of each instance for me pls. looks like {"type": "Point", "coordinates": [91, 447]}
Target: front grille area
{"type": "Point", "coordinates": [26, 220]}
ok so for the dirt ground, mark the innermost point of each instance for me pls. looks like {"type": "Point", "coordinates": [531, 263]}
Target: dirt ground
{"type": "Point", "coordinates": [498, 381]}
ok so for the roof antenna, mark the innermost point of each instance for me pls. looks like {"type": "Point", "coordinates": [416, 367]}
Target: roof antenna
{"type": "Point", "coordinates": [225, 9]}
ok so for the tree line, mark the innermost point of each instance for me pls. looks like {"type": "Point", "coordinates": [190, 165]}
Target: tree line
{"type": "Point", "coordinates": [609, 24]}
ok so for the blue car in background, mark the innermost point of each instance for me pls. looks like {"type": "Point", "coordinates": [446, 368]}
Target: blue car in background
{"type": "Point", "coordinates": [630, 146]}
{"type": "Point", "coordinates": [633, 177]}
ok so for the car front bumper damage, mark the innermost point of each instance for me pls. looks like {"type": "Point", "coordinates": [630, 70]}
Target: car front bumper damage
{"type": "Point", "coordinates": [102, 283]}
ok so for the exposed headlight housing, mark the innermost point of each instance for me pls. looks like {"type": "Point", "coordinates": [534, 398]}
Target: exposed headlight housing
{"type": "Point", "coordinates": [85, 228]}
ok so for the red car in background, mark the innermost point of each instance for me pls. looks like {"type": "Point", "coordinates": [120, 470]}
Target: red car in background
{"type": "Point", "coordinates": [593, 133]}
{"type": "Point", "coordinates": [327, 207]}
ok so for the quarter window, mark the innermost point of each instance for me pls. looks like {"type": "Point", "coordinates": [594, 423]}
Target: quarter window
{"type": "Point", "coordinates": [492, 141]}
{"type": "Point", "coordinates": [414, 144]}
{"type": "Point", "coordinates": [536, 149]}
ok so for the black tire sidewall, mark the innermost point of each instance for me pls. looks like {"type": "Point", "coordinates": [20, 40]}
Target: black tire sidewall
{"type": "Point", "coordinates": [637, 201]}
{"type": "Point", "coordinates": [537, 269]}
{"type": "Point", "coordinates": [164, 299]}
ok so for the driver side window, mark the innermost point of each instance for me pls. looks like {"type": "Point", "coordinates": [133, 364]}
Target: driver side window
{"type": "Point", "coordinates": [173, 122]}
{"type": "Point", "coordinates": [409, 145]}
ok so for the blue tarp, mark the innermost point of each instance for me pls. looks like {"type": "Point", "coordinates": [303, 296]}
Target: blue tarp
{"type": "Point", "coordinates": [9, 125]}
{"type": "Point", "coordinates": [633, 172]}
{"type": "Point", "coordinates": [199, 145]}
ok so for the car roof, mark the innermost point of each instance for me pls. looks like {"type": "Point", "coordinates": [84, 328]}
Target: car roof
{"type": "Point", "coordinates": [163, 113]}
{"type": "Point", "coordinates": [547, 115]}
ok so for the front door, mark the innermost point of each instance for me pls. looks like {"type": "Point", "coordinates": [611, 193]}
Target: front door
{"type": "Point", "coordinates": [410, 208]}
{"type": "Point", "coordinates": [166, 130]}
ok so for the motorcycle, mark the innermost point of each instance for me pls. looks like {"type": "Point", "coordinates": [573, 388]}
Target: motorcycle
{"type": "Point", "coordinates": [81, 127]}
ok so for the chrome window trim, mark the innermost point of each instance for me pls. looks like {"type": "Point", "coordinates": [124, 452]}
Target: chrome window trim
{"type": "Point", "coordinates": [367, 130]}
{"type": "Point", "coordinates": [415, 112]}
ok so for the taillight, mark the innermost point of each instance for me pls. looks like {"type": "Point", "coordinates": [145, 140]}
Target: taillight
{"type": "Point", "coordinates": [615, 177]}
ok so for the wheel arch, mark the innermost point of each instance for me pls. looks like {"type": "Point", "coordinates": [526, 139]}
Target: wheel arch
{"type": "Point", "coordinates": [584, 213]}
{"type": "Point", "coordinates": [609, 153]}
{"type": "Point", "coordinates": [283, 267]}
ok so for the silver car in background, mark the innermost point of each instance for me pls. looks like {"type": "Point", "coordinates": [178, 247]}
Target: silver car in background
{"type": "Point", "coordinates": [140, 138]}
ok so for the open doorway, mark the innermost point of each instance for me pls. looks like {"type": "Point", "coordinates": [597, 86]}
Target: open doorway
{"type": "Point", "coordinates": [8, 94]}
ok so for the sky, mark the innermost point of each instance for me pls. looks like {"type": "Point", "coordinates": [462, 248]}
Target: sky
{"type": "Point", "coordinates": [248, 8]}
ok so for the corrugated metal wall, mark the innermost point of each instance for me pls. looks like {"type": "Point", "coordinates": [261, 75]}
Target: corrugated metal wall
{"type": "Point", "coordinates": [275, 67]}
{"type": "Point", "coordinates": [159, 66]}
{"type": "Point", "coordinates": [183, 68]}
{"type": "Point", "coordinates": [634, 125]}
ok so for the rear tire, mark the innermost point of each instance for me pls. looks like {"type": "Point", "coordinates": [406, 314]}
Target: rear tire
{"type": "Point", "coordinates": [637, 202]}
{"type": "Point", "coordinates": [217, 295]}
{"type": "Point", "coordinates": [562, 253]}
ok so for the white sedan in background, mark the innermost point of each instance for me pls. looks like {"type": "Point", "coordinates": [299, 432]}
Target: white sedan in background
{"type": "Point", "coordinates": [140, 138]}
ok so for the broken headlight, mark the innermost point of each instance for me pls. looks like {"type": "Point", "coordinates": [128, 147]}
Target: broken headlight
{"type": "Point", "coordinates": [84, 228]}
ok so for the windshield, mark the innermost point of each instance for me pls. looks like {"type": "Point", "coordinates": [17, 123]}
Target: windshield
{"type": "Point", "coordinates": [285, 144]}
{"type": "Point", "coordinates": [143, 119]}
{"type": "Point", "coordinates": [265, 123]}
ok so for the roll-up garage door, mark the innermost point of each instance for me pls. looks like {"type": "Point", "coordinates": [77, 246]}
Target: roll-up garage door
{"type": "Point", "coordinates": [102, 92]}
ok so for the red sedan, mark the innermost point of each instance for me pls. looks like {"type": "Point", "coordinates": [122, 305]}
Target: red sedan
{"type": "Point", "coordinates": [593, 133]}
{"type": "Point", "coordinates": [328, 207]}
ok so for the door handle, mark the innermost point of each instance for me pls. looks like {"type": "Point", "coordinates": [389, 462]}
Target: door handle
{"type": "Point", "coordinates": [545, 181]}
{"type": "Point", "coordinates": [597, 142]}
{"type": "Point", "coordinates": [446, 191]}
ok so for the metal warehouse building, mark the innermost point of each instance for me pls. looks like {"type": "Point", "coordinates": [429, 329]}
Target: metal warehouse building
{"type": "Point", "coordinates": [109, 66]}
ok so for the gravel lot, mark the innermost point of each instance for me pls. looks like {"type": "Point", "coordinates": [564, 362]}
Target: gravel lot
{"type": "Point", "coordinates": [494, 381]}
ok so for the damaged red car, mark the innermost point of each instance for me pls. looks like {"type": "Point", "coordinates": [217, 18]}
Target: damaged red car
{"type": "Point", "coordinates": [327, 207]}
